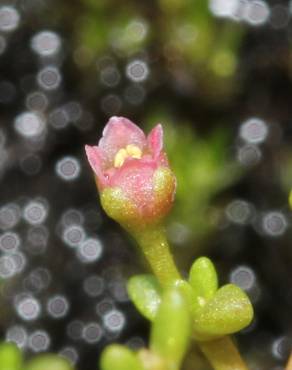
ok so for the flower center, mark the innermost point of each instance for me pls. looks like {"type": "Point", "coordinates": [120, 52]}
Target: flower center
{"type": "Point", "coordinates": [130, 150]}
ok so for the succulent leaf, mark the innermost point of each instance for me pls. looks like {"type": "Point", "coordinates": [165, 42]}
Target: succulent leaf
{"type": "Point", "coordinates": [171, 328]}
{"type": "Point", "coordinates": [48, 362]}
{"type": "Point", "coordinates": [10, 357]}
{"type": "Point", "coordinates": [227, 312]}
{"type": "Point", "coordinates": [203, 279]}
{"type": "Point", "coordinates": [117, 357]}
{"type": "Point", "coordinates": [145, 292]}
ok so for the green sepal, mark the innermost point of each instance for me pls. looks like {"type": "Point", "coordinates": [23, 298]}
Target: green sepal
{"type": "Point", "coordinates": [118, 207]}
{"type": "Point", "coordinates": [203, 279]}
{"type": "Point", "coordinates": [171, 329]}
{"type": "Point", "coordinates": [227, 312]}
{"type": "Point", "coordinates": [164, 183]}
{"type": "Point", "coordinates": [117, 357]}
{"type": "Point", "coordinates": [145, 293]}
{"type": "Point", "coordinates": [48, 362]}
{"type": "Point", "coordinates": [10, 357]}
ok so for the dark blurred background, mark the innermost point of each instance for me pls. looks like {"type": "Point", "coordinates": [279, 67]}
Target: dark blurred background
{"type": "Point", "coordinates": [217, 75]}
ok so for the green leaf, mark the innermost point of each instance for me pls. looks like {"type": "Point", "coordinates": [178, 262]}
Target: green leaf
{"type": "Point", "coordinates": [10, 357]}
{"type": "Point", "coordinates": [171, 328]}
{"type": "Point", "coordinates": [227, 312]}
{"type": "Point", "coordinates": [48, 362]}
{"type": "Point", "coordinates": [188, 293]}
{"type": "Point", "coordinates": [117, 357]}
{"type": "Point", "coordinates": [203, 279]}
{"type": "Point", "coordinates": [145, 292]}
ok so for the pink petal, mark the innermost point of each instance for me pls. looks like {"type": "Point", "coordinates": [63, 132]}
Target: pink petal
{"type": "Point", "coordinates": [155, 141]}
{"type": "Point", "coordinates": [95, 160]}
{"type": "Point", "coordinates": [118, 133]}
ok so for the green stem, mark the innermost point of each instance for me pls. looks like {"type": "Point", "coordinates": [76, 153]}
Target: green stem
{"type": "Point", "coordinates": [155, 247]}
{"type": "Point", "coordinates": [223, 354]}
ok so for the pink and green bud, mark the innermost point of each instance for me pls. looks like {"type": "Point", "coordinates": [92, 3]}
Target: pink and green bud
{"type": "Point", "coordinates": [132, 174]}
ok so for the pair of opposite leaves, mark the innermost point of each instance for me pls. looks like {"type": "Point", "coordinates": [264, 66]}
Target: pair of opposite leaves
{"type": "Point", "coordinates": [215, 312]}
{"type": "Point", "coordinates": [195, 307]}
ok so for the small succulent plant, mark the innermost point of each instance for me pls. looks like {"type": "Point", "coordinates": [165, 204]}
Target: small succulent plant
{"type": "Point", "coordinates": [137, 189]}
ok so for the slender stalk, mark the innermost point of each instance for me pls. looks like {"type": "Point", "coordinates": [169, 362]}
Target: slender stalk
{"type": "Point", "coordinates": [223, 354]}
{"type": "Point", "coordinates": [155, 247]}
{"type": "Point", "coordinates": [289, 364]}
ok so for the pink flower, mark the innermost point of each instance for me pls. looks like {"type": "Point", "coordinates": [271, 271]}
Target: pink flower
{"type": "Point", "coordinates": [132, 172]}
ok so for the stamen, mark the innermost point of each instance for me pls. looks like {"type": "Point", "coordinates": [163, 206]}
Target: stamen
{"type": "Point", "coordinates": [120, 157]}
{"type": "Point", "coordinates": [134, 151]}
{"type": "Point", "coordinates": [131, 150]}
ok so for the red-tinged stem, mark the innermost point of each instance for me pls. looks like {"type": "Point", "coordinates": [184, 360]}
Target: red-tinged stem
{"type": "Point", "coordinates": [223, 354]}
{"type": "Point", "coordinates": [289, 364]}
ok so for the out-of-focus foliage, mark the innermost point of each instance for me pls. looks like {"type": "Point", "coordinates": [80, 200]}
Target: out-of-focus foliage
{"type": "Point", "coordinates": [193, 37]}
{"type": "Point", "coordinates": [203, 169]}
{"type": "Point", "coordinates": [48, 362]}
{"type": "Point", "coordinates": [191, 41]}
{"type": "Point", "coordinates": [11, 359]}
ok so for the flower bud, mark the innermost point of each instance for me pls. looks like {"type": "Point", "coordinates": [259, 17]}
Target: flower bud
{"type": "Point", "coordinates": [132, 174]}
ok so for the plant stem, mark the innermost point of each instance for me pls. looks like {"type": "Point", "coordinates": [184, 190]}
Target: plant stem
{"type": "Point", "coordinates": [223, 354]}
{"type": "Point", "coordinates": [155, 247]}
{"type": "Point", "coordinates": [289, 364]}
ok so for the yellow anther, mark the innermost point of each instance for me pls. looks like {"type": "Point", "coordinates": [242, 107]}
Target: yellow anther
{"type": "Point", "coordinates": [120, 157]}
{"type": "Point", "coordinates": [134, 151]}
{"type": "Point", "coordinates": [130, 151]}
